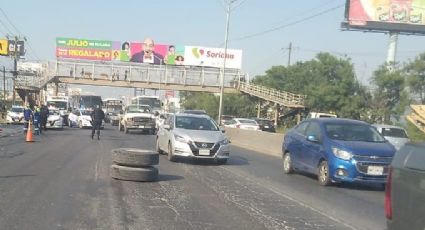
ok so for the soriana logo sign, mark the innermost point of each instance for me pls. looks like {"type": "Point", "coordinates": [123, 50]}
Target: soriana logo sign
{"type": "Point", "coordinates": [213, 57]}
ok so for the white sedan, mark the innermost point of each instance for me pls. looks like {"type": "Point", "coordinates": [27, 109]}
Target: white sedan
{"type": "Point", "coordinates": [80, 118]}
{"type": "Point", "coordinates": [54, 120]}
{"type": "Point", "coordinates": [242, 123]}
{"type": "Point", "coordinates": [193, 136]}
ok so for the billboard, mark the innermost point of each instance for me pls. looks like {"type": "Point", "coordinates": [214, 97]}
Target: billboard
{"type": "Point", "coordinates": [213, 57]}
{"type": "Point", "coordinates": [406, 16]}
{"type": "Point", "coordinates": [19, 47]}
{"type": "Point", "coordinates": [4, 47]}
{"type": "Point", "coordinates": [97, 50]}
{"type": "Point", "coordinates": [146, 51]}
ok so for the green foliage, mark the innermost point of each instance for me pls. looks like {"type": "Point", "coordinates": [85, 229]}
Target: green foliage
{"type": "Point", "coordinates": [389, 95]}
{"type": "Point", "coordinates": [233, 104]}
{"type": "Point", "coordinates": [329, 83]}
{"type": "Point", "coordinates": [414, 133]}
{"type": "Point", "coordinates": [415, 71]}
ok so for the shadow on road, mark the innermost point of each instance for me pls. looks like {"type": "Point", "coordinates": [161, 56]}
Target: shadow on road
{"type": "Point", "coordinates": [14, 176]}
{"type": "Point", "coordinates": [207, 162]}
{"type": "Point", "coordinates": [167, 177]}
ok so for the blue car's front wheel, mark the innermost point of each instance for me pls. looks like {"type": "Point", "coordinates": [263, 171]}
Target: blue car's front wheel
{"type": "Point", "coordinates": [287, 163]}
{"type": "Point", "coordinates": [323, 174]}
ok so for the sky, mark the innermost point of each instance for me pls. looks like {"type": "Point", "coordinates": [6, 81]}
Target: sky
{"type": "Point", "coordinates": [202, 23]}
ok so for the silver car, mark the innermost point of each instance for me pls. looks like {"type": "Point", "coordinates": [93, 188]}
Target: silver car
{"type": "Point", "coordinates": [196, 136]}
{"type": "Point", "coordinates": [397, 136]}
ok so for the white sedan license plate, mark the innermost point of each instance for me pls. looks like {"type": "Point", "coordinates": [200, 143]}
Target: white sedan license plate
{"type": "Point", "coordinates": [204, 152]}
{"type": "Point", "coordinates": [375, 170]}
{"type": "Point", "coordinates": [141, 126]}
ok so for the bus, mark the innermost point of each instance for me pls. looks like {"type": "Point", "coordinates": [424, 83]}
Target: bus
{"type": "Point", "coordinates": [112, 105]}
{"type": "Point", "coordinates": [152, 101]}
{"type": "Point", "coordinates": [84, 102]}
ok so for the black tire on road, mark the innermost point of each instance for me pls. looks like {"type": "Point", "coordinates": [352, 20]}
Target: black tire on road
{"type": "Point", "coordinates": [134, 157]}
{"type": "Point", "coordinates": [287, 163]}
{"type": "Point", "coordinates": [158, 149]}
{"type": "Point", "coordinates": [146, 174]}
{"type": "Point", "coordinates": [171, 156]}
{"type": "Point", "coordinates": [323, 174]}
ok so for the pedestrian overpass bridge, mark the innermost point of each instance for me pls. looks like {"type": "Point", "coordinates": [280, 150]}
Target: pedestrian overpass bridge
{"type": "Point", "coordinates": [141, 75]}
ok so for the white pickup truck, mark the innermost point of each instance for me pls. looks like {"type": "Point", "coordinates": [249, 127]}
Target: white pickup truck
{"type": "Point", "coordinates": [137, 117]}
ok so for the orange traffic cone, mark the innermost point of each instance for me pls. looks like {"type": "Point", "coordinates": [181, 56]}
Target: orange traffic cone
{"type": "Point", "coordinates": [29, 133]}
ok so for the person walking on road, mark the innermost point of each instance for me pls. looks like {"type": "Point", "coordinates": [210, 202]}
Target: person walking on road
{"type": "Point", "coordinates": [28, 115]}
{"type": "Point", "coordinates": [37, 121]}
{"type": "Point", "coordinates": [44, 113]}
{"type": "Point", "coordinates": [97, 116]}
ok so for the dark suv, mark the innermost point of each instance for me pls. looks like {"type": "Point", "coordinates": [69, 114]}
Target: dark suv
{"type": "Point", "coordinates": [265, 124]}
{"type": "Point", "coordinates": [405, 191]}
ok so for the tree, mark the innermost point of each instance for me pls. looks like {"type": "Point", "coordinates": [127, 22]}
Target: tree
{"type": "Point", "coordinates": [415, 71]}
{"type": "Point", "coordinates": [329, 83]}
{"type": "Point", "coordinates": [389, 92]}
{"type": "Point", "coordinates": [233, 104]}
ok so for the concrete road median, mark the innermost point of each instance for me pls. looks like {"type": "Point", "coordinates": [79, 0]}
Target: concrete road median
{"type": "Point", "coordinates": [264, 142]}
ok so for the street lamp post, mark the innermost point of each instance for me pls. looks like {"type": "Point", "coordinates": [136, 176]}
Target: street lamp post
{"type": "Point", "coordinates": [226, 35]}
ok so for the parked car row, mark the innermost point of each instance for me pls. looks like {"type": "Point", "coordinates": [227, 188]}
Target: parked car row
{"type": "Point", "coordinates": [251, 124]}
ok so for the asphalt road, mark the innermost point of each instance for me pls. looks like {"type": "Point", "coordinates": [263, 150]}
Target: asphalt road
{"type": "Point", "coordinates": [62, 181]}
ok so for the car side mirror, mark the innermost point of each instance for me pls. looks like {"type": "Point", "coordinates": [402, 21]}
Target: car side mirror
{"type": "Point", "coordinates": [167, 127]}
{"type": "Point", "coordinates": [312, 138]}
{"type": "Point", "coordinates": [222, 129]}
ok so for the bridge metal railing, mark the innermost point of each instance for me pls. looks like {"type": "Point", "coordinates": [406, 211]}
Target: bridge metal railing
{"type": "Point", "coordinates": [280, 97]}
{"type": "Point", "coordinates": [130, 72]}
{"type": "Point", "coordinates": [162, 74]}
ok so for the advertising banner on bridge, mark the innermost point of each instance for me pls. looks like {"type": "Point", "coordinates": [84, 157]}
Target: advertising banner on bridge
{"type": "Point", "coordinates": [389, 15]}
{"type": "Point", "coordinates": [146, 51]}
{"type": "Point", "coordinates": [212, 57]}
{"type": "Point", "coordinates": [99, 50]}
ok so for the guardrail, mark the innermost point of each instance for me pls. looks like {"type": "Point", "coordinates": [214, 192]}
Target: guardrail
{"type": "Point", "coordinates": [263, 142]}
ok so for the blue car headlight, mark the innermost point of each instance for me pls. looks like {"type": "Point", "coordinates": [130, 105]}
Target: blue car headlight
{"type": "Point", "coordinates": [341, 153]}
{"type": "Point", "coordinates": [225, 141]}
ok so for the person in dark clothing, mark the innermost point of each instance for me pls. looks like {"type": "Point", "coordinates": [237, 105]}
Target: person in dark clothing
{"type": "Point", "coordinates": [37, 120]}
{"type": "Point", "coordinates": [97, 116]}
{"type": "Point", "coordinates": [28, 115]}
{"type": "Point", "coordinates": [44, 113]}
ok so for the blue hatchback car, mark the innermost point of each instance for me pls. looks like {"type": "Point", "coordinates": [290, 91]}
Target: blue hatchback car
{"type": "Point", "coordinates": [337, 150]}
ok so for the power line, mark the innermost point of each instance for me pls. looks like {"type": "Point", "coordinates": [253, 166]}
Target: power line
{"type": "Point", "coordinates": [6, 27]}
{"type": "Point", "coordinates": [302, 13]}
{"type": "Point", "coordinates": [10, 22]}
{"type": "Point", "coordinates": [289, 24]}
{"type": "Point", "coordinates": [34, 55]}
{"type": "Point", "coordinates": [238, 5]}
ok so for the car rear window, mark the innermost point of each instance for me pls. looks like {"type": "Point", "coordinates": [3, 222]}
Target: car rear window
{"type": "Point", "coordinates": [251, 122]}
{"type": "Point", "coordinates": [394, 132]}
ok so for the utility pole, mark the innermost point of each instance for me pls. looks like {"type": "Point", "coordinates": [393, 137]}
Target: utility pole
{"type": "Point", "coordinates": [15, 69]}
{"type": "Point", "coordinates": [289, 54]}
{"type": "Point", "coordinates": [226, 39]}
{"type": "Point", "coordinates": [4, 84]}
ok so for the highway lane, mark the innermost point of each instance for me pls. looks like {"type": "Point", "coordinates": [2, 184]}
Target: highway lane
{"type": "Point", "coordinates": [62, 182]}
